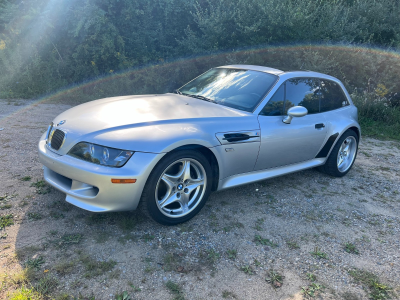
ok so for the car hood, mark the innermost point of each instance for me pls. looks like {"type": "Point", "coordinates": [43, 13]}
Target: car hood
{"type": "Point", "coordinates": [144, 109]}
{"type": "Point", "coordinates": [122, 122]}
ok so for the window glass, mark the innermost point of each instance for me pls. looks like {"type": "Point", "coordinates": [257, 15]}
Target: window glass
{"type": "Point", "coordinates": [274, 106]}
{"type": "Point", "coordinates": [302, 92]}
{"type": "Point", "coordinates": [237, 88]}
{"type": "Point", "coordinates": [332, 96]}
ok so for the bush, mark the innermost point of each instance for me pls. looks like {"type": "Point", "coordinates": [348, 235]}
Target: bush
{"type": "Point", "coordinates": [45, 45]}
{"type": "Point", "coordinates": [377, 116]}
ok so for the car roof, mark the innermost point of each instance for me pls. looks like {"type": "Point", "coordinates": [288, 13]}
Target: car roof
{"type": "Point", "coordinates": [294, 73]}
{"type": "Point", "coordinates": [255, 68]}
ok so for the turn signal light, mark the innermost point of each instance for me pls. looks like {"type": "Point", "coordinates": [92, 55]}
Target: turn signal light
{"type": "Point", "coordinates": [123, 180]}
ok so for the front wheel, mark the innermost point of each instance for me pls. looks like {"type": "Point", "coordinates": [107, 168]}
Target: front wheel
{"type": "Point", "coordinates": [178, 187]}
{"type": "Point", "coordinates": [342, 156]}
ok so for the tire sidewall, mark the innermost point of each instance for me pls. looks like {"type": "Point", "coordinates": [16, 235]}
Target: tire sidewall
{"type": "Point", "coordinates": [150, 201]}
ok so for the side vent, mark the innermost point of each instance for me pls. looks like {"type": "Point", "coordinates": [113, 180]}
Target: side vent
{"type": "Point", "coordinates": [238, 137]}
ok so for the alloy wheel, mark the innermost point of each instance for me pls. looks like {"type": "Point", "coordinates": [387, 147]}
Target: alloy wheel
{"type": "Point", "coordinates": [180, 187]}
{"type": "Point", "coordinates": [346, 154]}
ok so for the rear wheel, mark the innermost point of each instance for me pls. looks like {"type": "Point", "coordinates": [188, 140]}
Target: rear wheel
{"type": "Point", "coordinates": [178, 187]}
{"type": "Point", "coordinates": [342, 156]}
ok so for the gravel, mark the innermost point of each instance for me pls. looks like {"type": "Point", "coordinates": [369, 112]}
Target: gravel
{"type": "Point", "coordinates": [298, 213]}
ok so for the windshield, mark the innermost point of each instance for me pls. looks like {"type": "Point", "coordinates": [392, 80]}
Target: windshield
{"type": "Point", "coordinates": [237, 88]}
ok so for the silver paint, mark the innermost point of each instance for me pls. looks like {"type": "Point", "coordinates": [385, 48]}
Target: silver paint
{"type": "Point", "coordinates": [296, 111]}
{"type": "Point", "coordinates": [153, 125]}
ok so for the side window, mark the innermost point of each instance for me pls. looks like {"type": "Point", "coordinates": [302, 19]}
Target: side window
{"type": "Point", "coordinates": [274, 107]}
{"type": "Point", "coordinates": [303, 92]}
{"type": "Point", "coordinates": [332, 96]}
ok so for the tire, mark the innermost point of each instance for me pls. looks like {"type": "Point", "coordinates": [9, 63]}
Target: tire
{"type": "Point", "coordinates": [177, 188]}
{"type": "Point", "coordinates": [332, 165]}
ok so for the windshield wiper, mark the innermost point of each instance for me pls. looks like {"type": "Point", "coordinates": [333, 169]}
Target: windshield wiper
{"type": "Point", "coordinates": [178, 92]}
{"type": "Point", "coordinates": [199, 97]}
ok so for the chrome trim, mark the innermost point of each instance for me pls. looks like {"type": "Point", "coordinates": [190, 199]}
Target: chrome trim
{"type": "Point", "coordinates": [49, 129]}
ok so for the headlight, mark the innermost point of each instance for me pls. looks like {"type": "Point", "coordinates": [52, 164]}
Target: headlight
{"type": "Point", "coordinates": [100, 155]}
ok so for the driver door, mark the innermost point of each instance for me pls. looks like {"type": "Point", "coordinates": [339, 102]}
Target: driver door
{"type": "Point", "coordinates": [285, 144]}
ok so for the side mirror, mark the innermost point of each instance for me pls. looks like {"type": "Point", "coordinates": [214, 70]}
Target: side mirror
{"type": "Point", "coordinates": [296, 111]}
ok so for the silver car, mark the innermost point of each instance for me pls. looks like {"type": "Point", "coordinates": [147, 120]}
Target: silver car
{"type": "Point", "coordinates": [230, 126]}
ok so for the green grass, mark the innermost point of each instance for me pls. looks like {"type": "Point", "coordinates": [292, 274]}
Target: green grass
{"type": "Point", "coordinates": [227, 294]}
{"type": "Point", "coordinates": [127, 221]}
{"type": "Point", "coordinates": [42, 187]}
{"type": "Point", "coordinates": [247, 269]}
{"type": "Point", "coordinates": [148, 237]}
{"type": "Point", "coordinates": [71, 238]}
{"type": "Point", "coordinates": [66, 240]}
{"type": "Point", "coordinates": [5, 206]}
{"type": "Point", "coordinates": [23, 203]}
{"type": "Point", "coordinates": [171, 262]}
{"type": "Point", "coordinates": [26, 178]}
{"type": "Point", "coordinates": [212, 256]}
{"type": "Point", "coordinates": [232, 253]}
{"type": "Point", "coordinates": [6, 220]}
{"type": "Point", "coordinates": [312, 290]}
{"type": "Point", "coordinates": [262, 241]}
{"type": "Point", "coordinates": [319, 254]}
{"type": "Point", "coordinates": [34, 216]}
{"type": "Point", "coordinates": [134, 288]}
{"type": "Point", "coordinates": [46, 285]}
{"type": "Point", "coordinates": [377, 290]}
{"type": "Point", "coordinates": [65, 267]}
{"type": "Point", "coordinates": [61, 205]}
{"type": "Point", "coordinates": [175, 289]}
{"type": "Point", "coordinates": [380, 130]}
{"type": "Point", "coordinates": [35, 263]}
{"type": "Point", "coordinates": [377, 117]}
{"type": "Point", "coordinates": [311, 277]}
{"type": "Point", "coordinates": [25, 293]}
{"type": "Point", "coordinates": [94, 268]}
{"type": "Point", "coordinates": [123, 296]}
{"type": "Point", "coordinates": [292, 245]}
{"type": "Point", "coordinates": [258, 225]}
{"type": "Point", "coordinates": [351, 248]}
{"type": "Point", "coordinates": [56, 215]}
{"type": "Point", "coordinates": [7, 197]}
{"type": "Point", "coordinates": [274, 278]}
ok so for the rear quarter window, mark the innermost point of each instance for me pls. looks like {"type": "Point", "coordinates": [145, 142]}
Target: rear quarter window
{"type": "Point", "coordinates": [332, 96]}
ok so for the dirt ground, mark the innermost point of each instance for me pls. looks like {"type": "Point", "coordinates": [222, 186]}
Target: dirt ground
{"type": "Point", "coordinates": [303, 235]}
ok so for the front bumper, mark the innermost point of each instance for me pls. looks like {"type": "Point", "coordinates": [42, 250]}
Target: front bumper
{"type": "Point", "coordinates": [89, 186]}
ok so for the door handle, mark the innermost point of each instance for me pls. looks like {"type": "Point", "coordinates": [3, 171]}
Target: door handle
{"type": "Point", "coordinates": [319, 125]}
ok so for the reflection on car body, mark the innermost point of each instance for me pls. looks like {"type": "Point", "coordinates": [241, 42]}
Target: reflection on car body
{"type": "Point", "coordinates": [231, 125]}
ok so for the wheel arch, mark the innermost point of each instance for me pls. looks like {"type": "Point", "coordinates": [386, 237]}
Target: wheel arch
{"type": "Point", "coordinates": [336, 136]}
{"type": "Point", "coordinates": [355, 129]}
{"type": "Point", "coordinates": [212, 159]}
